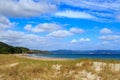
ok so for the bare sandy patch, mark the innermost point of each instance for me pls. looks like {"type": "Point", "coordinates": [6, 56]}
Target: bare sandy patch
{"type": "Point", "coordinates": [9, 65]}
{"type": "Point", "coordinates": [13, 64]}
{"type": "Point", "coordinates": [41, 58]}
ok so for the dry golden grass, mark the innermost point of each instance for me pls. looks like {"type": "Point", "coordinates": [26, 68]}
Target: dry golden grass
{"type": "Point", "coordinates": [16, 68]}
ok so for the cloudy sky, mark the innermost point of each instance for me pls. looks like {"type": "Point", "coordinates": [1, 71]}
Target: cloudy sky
{"type": "Point", "coordinates": [61, 24]}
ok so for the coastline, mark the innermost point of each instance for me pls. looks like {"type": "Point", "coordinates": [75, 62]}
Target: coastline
{"type": "Point", "coordinates": [41, 58]}
{"type": "Point", "coordinates": [98, 57]}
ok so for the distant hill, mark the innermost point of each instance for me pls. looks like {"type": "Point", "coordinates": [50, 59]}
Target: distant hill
{"type": "Point", "coordinates": [63, 52]}
{"type": "Point", "coordinates": [86, 52]}
{"type": "Point", "coordinates": [6, 49]}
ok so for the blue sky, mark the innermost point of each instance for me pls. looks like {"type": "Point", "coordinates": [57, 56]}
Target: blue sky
{"type": "Point", "coordinates": [61, 24]}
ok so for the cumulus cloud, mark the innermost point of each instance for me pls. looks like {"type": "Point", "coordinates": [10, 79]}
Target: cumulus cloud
{"type": "Point", "coordinates": [74, 14]}
{"type": "Point", "coordinates": [25, 8]}
{"type": "Point", "coordinates": [76, 30]}
{"type": "Point", "coordinates": [94, 9]}
{"type": "Point", "coordinates": [21, 39]}
{"type": "Point", "coordinates": [32, 41]}
{"type": "Point", "coordinates": [28, 27]}
{"type": "Point", "coordinates": [105, 31]}
{"type": "Point", "coordinates": [84, 40]}
{"type": "Point", "coordinates": [5, 23]}
{"type": "Point", "coordinates": [74, 41]}
{"type": "Point", "coordinates": [81, 40]}
{"type": "Point", "coordinates": [43, 27]}
{"type": "Point", "coordinates": [60, 34]}
{"type": "Point", "coordinates": [110, 37]}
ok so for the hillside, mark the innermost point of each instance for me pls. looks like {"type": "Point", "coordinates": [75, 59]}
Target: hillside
{"type": "Point", "coordinates": [6, 49]}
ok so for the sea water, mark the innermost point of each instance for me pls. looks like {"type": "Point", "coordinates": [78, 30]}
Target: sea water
{"type": "Point", "coordinates": [78, 56]}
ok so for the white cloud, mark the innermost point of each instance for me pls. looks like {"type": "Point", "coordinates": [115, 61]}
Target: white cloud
{"type": "Point", "coordinates": [105, 42]}
{"type": "Point", "coordinates": [21, 39]}
{"type": "Point", "coordinates": [84, 40]}
{"type": "Point", "coordinates": [81, 40]}
{"type": "Point", "coordinates": [5, 23]}
{"type": "Point", "coordinates": [74, 14]}
{"type": "Point", "coordinates": [44, 27]}
{"type": "Point", "coordinates": [110, 37]}
{"type": "Point", "coordinates": [104, 10]}
{"type": "Point", "coordinates": [60, 33]}
{"type": "Point", "coordinates": [25, 8]}
{"type": "Point", "coordinates": [74, 41]}
{"type": "Point", "coordinates": [28, 27]}
{"type": "Point", "coordinates": [76, 30]}
{"type": "Point", "coordinates": [105, 31]}
{"type": "Point", "coordinates": [94, 4]}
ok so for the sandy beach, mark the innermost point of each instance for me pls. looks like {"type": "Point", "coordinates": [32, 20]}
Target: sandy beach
{"type": "Point", "coordinates": [41, 58]}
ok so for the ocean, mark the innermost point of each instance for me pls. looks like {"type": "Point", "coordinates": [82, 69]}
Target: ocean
{"type": "Point", "coordinates": [78, 56]}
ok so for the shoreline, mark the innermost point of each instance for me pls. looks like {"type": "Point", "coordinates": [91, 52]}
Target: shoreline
{"type": "Point", "coordinates": [42, 58]}
{"type": "Point", "coordinates": [61, 59]}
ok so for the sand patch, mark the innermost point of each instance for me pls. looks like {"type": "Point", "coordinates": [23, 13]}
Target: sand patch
{"type": "Point", "coordinates": [10, 65]}
{"type": "Point", "coordinates": [114, 67]}
{"type": "Point", "coordinates": [84, 75]}
{"type": "Point", "coordinates": [13, 64]}
{"type": "Point", "coordinates": [41, 58]}
{"type": "Point", "coordinates": [56, 67]}
{"type": "Point", "coordinates": [98, 66]}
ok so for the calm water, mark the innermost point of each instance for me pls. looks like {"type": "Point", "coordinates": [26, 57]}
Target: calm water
{"type": "Point", "coordinates": [78, 56]}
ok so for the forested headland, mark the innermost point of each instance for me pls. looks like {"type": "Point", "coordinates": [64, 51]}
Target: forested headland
{"type": "Point", "coordinates": [6, 49]}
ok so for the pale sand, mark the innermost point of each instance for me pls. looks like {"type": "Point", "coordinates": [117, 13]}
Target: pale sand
{"type": "Point", "coordinates": [41, 58]}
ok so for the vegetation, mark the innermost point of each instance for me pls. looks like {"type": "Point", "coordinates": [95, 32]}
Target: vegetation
{"type": "Point", "coordinates": [6, 49]}
{"type": "Point", "coordinates": [17, 68]}
{"type": "Point", "coordinates": [38, 52]}
{"type": "Point", "coordinates": [20, 68]}
{"type": "Point", "coordinates": [20, 50]}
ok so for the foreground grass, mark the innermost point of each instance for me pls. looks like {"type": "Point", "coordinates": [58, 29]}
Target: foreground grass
{"type": "Point", "coordinates": [16, 68]}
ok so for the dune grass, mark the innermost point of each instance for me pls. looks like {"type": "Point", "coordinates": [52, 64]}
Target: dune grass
{"type": "Point", "coordinates": [17, 68]}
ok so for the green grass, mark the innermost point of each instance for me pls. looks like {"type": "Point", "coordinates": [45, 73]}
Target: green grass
{"type": "Point", "coordinates": [29, 69]}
